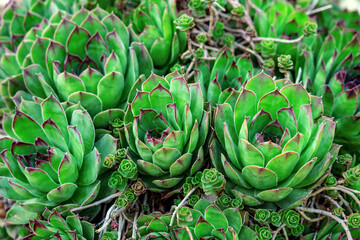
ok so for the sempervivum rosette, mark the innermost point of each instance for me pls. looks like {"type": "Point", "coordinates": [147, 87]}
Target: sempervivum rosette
{"type": "Point", "coordinates": [57, 227]}
{"type": "Point", "coordinates": [269, 145]}
{"type": "Point", "coordinates": [77, 58]}
{"type": "Point", "coordinates": [19, 17]}
{"type": "Point", "coordinates": [165, 126]}
{"type": "Point", "coordinates": [51, 156]}
{"type": "Point", "coordinates": [153, 24]}
{"type": "Point", "coordinates": [227, 73]}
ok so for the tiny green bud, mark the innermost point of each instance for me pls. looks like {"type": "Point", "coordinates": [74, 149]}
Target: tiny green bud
{"type": "Point", "coordinates": [223, 201]}
{"type": "Point", "coordinates": [121, 201]}
{"type": "Point", "coordinates": [238, 11]}
{"type": "Point", "coordinates": [176, 67]}
{"type": "Point", "coordinates": [268, 48]}
{"type": "Point", "coordinates": [117, 181]}
{"type": "Point", "coordinates": [193, 199]}
{"type": "Point", "coordinates": [187, 188]}
{"type": "Point", "coordinates": [344, 159]}
{"type": "Point", "coordinates": [310, 28]}
{"type": "Point", "coordinates": [184, 22]}
{"type": "Point", "coordinates": [352, 175]}
{"type": "Point", "coordinates": [195, 4]}
{"type": "Point", "coordinates": [228, 40]}
{"type": "Point", "coordinates": [196, 179]}
{"type": "Point", "coordinates": [275, 219]}
{"type": "Point", "coordinates": [269, 63]}
{"type": "Point", "coordinates": [285, 63]}
{"type": "Point", "coordinates": [177, 202]}
{"type": "Point", "coordinates": [354, 220]}
{"type": "Point", "coordinates": [201, 38]}
{"type": "Point", "coordinates": [298, 230]}
{"type": "Point", "coordinates": [264, 233]}
{"type": "Point", "coordinates": [236, 202]}
{"type": "Point", "coordinates": [184, 216]}
{"type": "Point", "coordinates": [128, 169]}
{"type": "Point", "coordinates": [338, 211]}
{"type": "Point", "coordinates": [199, 52]}
{"type": "Point", "coordinates": [109, 161]}
{"type": "Point", "coordinates": [262, 215]}
{"type": "Point", "coordinates": [330, 181]}
{"type": "Point", "coordinates": [290, 218]}
{"type": "Point", "coordinates": [212, 181]}
{"type": "Point", "coordinates": [116, 122]}
{"type": "Point", "coordinates": [130, 195]}
{"type": "Point", "coordinates": [120, 154]}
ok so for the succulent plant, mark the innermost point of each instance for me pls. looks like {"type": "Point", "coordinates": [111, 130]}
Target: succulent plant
{"type": "Point", "coordinates": [166, 125]}
{"type": "Point", "coordinates": [56, 227]}
{"type": "Point", "coordinates": [55, 160]}
{"type": "Point", "coordinates": [154, 226]}
{"type": "Point", "coordinates": [328, 72]}
{"type": "Point", "coordinates": [207, 221]}
{"type": "Point", "coordinates": [77, 58]}
{"type": "Point", "coordinates": [227, 74]}
{"type": "Point", "coordinates": [153, 24]}
{"type": "Point", "coordinates": [332, 230]}
{"type": "Point", "coordinates": [269, 145]}
{"type": "Point", "coordinates": [18, 18]}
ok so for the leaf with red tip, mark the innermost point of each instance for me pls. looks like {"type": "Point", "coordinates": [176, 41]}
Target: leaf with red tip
{"type": "Point", "coordinates": [33, 129]}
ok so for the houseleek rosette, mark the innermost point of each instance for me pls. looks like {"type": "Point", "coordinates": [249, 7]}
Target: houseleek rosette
{"type": "Point", "coordinates": [18, 18]}
{"type": "Point", "coordinates": [227, 73]}
{"type": "Point", "coordinates": [57, 227]}
{"type": "Point", "coordinates": [268, 143]}
{"type": "Point", "coordinates": [51, 157]}
{"type": "Point", "coordinates": [155, 226]}
{"type": "Point", "coordinates": [85, 57]}
{"type": "Point", "coordinates": [153, 24]}
{"type": "Point", "coordinates": [329, 71]}
{"type": "Point", "coordinates": [208, 221]}
{"type": "Point", "coordinates": [166, 125]}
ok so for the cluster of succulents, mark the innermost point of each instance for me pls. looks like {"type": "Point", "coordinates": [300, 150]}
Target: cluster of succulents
{"type": "Point", "coordinates": [164, 119]}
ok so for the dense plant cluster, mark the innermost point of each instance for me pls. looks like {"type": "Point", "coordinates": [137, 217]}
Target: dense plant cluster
{"type": "Point", "coordinates": [164, 119]}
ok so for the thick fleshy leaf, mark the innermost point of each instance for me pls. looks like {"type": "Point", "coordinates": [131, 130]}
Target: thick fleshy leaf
{"type": "Point", "coordinates": [165, 157]}
{"type": "Point", "coordinates": [273, 101]}
{"type": "Point", "coordinates": [52, 109]}
{"type": "Point", "coordinates": [76, 145]}
{"type": "Point", "coordinates": [283, 164]}
{"type": "Point", "coordinates": [77, 41]}
{"type": "Point", "coordinates": [216, 217]}
{"type": "Point", "coordinates": [274, 195]}
{"type": "Point", "coordinates": [296, 95]}
{"type": "Point", "coordinates": [180, 93]}
{"type": "Point", "coordinates": [181, 165]}
{"type": "Point", "coordinates": [89, 101]}
{"type": "Point", "coordinates": [260, 178]}
{"type": "Point", "coordinates": [110, 89]}
{"type": "Point", "coordinates": [269, 150]}
{"type": "Point", "coordinates": [68, 171]}
{"type": "Point", "coordinates": [160, 97]}
{"type": "Point", "coordinates": [260, 84]}
{"type": "Point", "coordinates": [67, 84]}
{"type": "Point", "coordinates": [90, 168]}
{"type": "Point", "coordinates": [22, 121]}
{"type": "Point", "coordinates": [345, 103]}
{"type": "Point", "coordinates": [106, 145]}
{"type": "Point", "coordinates": [245, 107]}
{"type": "Point", "coordinates": [250, 155]}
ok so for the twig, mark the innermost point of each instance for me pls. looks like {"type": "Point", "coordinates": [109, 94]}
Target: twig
{"type": "Point", "coordinates": [257, 9]}
{"type": "Point", "coordinates": [242, 47]}
{"type": "Point", "coordinates": [211, 21]}
{"type": "Point", "coordinates": [336, 204]}
{"type": "Point", "coordinates": [120, 227]}
{"type": "Point", "coordinates": [347, 205]}
{"type": "Point", "coordinates": [98, 202]}
{"type": "Point", "coordinates": [205, 46]}
{"type": "Point", "coordinates": [189, 233]}
{"type": "Point", "coordinates": [329, 214]}
{"type": "Point", "coordinates": [312, 6]}
{"type": "Point", "coordinates": [190, 67]}
{"type": "Point", "coordinates": [277, 231]}
{"type": "Point", "coordinates": [257, 39]}
{"type": "Point", "coordinates": [107, 220]}
{"type": "Point", "coordinates": [348, 192]}
{"type": "Point", "coordinates": [285, 234]}
{"type": "Point", "coordinates": [181, 204]}
{"type": "Point", "coordinates": [320, 9]}
{"type": "Point", "coordinates": [134, 225]}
